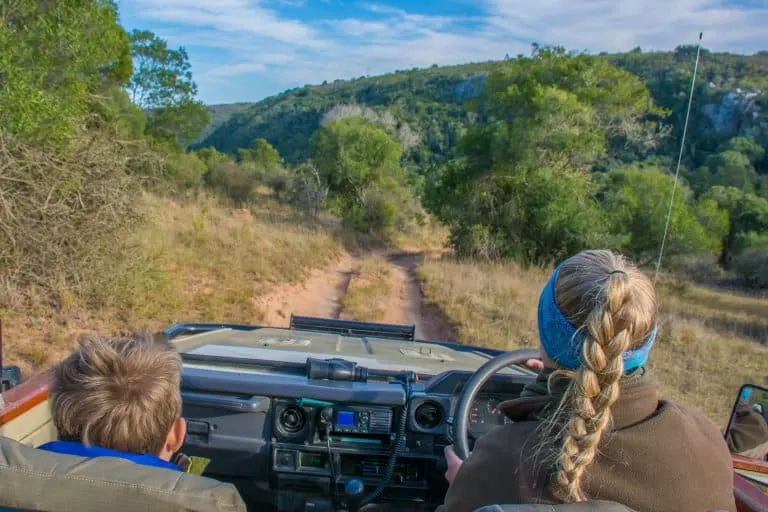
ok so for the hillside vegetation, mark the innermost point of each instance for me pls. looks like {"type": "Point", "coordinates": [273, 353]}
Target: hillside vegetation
{"type": "Point", "coordinates": [431, 101]}
{"type": "Point", "coordinates": [535, 158]}
{"type": "Point", "coordinates": [219, 115]}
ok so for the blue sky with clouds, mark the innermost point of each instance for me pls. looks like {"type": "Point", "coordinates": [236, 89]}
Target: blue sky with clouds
{"type": "Point", "coordinates": [245, 50]}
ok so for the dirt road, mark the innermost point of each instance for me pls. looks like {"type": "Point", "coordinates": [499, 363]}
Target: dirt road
{"type": "Point", "coordinates": [322, 292]}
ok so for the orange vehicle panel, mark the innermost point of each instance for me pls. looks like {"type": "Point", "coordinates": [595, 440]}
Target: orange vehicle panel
{"type": "Point", "coordinates": [25, 396]}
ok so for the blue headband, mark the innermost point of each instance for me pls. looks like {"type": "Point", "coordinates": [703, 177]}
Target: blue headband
{"type": "Point", "coordinates": [563, 342]}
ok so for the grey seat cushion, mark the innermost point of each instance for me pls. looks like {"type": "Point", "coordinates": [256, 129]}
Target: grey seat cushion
{"type": "Point", "coordinates": [584, 506]}
{"type": "Point", "coordinates": [33, 479]}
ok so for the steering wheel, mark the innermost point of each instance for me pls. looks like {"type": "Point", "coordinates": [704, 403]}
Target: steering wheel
{"type": "Point", "coordinates": [472, 387]}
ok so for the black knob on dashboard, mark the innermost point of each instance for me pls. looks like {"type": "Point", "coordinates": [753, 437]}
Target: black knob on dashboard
{"type": "Point", "coordinates": [354, 490]}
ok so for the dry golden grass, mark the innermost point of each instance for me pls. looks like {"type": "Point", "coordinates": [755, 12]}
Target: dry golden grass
{"type": "Point", "coordinates": [702, 356]}
{"type": "Point", "coordinates": [196, 261]}
{"type": "Point", "coordinates": [369, 290]}
{"type": "Point", "coordinates": [431, 239]}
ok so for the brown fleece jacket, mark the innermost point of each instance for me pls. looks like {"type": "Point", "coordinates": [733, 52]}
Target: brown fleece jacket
{"type": "Point", "coordinates": [658, 456]}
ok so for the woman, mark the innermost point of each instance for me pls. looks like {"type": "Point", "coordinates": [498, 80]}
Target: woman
{"type": "Point", "coordinates": [597, 430]}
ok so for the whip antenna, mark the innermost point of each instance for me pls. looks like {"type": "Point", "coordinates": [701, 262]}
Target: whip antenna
{"type": "Point", "coordinates": [679, 158]}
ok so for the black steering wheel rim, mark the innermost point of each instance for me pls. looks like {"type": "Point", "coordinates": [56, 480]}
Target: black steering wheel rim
{"type": "Point", "coordinates": [472, 388]}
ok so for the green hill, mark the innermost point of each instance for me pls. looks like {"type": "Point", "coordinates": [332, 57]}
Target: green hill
{"type": "Point", "coordinates": [731, 100]}
{"type": "Point", "coordinates": [430, 100]}
{"type": "Point", "coordinates": [220, 114]}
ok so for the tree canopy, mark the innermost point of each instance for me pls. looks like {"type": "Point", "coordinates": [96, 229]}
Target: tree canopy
{"type": "Point", "coordinates": [57, 64]}
{"type": "Point", "coordinates": [162, 86]}
{"type": "Point", "coordinates": [523, 182]}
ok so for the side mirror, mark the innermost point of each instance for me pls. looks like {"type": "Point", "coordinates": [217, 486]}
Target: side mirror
{"type": "Point", "coordinates": [747, 431]}
{"type": "Point", "coordinates": [11, 377]}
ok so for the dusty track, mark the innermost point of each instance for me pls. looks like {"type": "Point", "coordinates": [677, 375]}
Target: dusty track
{"type": "Point", "coordinates": [407, 305]}
{"type": "Point", "coordinates": [322, 292]}
{"type": "Point", "coordinates": [319, 295]}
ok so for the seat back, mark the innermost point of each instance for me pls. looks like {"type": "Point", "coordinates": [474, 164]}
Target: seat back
{"type": "Point", "coordinates": [32, 479]}
{"type": "Point", "coordinates": [583, 506]}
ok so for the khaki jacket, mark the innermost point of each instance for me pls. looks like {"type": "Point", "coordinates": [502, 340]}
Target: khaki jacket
{"type": "Point", "coordinates": [658, 456]}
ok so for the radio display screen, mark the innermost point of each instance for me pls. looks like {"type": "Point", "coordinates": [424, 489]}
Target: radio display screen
{"type": "Point", "coordinates": [345, 418]}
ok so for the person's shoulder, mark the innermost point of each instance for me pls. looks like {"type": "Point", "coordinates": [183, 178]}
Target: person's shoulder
{"type": "Point", "coordinates": [675, 411]}
{"type": "Point", "coordinates": [691, 427]}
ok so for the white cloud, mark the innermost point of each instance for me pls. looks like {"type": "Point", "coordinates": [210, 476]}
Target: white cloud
{"type": "Point", "coordinates": [615, 25]}
{"type": "Point", "coordinates": [261, 40]}
{"type": "Point", "coordinates": [237, 69]}
{"type": "Point", "coordinates": [231, 16]}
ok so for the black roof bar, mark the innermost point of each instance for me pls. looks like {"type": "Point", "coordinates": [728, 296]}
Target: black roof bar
{"type": "Point", "coordinates": [353, 328]}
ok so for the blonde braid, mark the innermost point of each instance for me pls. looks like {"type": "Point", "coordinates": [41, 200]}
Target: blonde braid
{"type": "Point", "coordinates": [595, 389]}
{"type": "Point", "coordinates": [615, 305]}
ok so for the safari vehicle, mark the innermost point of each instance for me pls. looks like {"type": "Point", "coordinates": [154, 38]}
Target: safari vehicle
{"type": "Point", "coordinates": [323, 415]}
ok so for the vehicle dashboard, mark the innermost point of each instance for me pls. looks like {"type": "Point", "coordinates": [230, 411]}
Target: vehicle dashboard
{"type": "Point", "coordinates": [290, 442]}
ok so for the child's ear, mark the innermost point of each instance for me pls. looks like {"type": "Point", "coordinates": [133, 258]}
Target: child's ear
{"type": "Point", "coordinates": [176, 436]}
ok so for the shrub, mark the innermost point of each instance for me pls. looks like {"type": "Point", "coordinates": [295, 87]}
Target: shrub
{"type": "Point", "coordinates": [375, 213]}
{"type": "Point", "coordinates": [751, 268]}
{"type": "Point", "coordinates": [279, 180]}
{"type": "Point", "coordinates": [236, 182]}
{"type": "Point", "coordinates": [307, 192]}
{"type": "Point", "coordinates": [184, 171]}
{"type": "Point", "coordinates": [475, 241]}
{"type": "Point", "coordinates": [701, 268]}
{"type": "Point", "coordinates": [745, 241]}
{"type": "Point", "coordinates": [63, 218]}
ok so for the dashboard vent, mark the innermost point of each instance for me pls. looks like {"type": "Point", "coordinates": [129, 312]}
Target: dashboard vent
{"type": "Point", "coordinates": [291, 422]}
{"type": "Point", "coordinates": [293, 419]}
{"type": "Point", "coordinates": [428, 415]}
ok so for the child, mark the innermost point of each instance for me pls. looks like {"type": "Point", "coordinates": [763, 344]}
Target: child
{"type": "Point", "coordinates": [121, 398]}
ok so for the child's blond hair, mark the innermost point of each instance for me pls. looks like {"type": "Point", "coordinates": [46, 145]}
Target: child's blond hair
{"type": "Point", "coordinates": [121, 393]}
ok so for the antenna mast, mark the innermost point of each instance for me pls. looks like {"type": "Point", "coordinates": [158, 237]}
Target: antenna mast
{"type": "Point", "coordinates": [2, 401]}
{"type": "Point", "coordinates": [679, 159]}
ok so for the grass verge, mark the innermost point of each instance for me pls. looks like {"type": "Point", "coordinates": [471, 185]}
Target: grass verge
{"type": "Point", "coordinates": [196, 261]}
{"type": "Point", "coordinates": [369, 290]}
{"type": "Point", "coordinates": [709, 342]}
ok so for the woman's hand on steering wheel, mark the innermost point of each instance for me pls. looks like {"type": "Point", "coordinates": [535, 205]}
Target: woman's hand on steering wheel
{"type": "Point", "coordinates": [452, 460]}
{"type": "Point", "coordinates": [454, 463]}
{"type": "Point", "coordinates": [535, 364]}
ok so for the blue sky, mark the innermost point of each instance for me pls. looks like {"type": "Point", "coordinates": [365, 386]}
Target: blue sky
{"type": "Point", "coordinates": [245, 50]}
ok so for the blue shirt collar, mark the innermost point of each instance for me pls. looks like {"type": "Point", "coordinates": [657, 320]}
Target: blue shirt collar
{"type": "Point", "coordinates": [81, 450]}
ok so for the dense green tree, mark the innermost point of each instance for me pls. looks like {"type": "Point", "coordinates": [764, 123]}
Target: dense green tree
{"type": "Point", "coordinates": [352, 155]}
{"type": "Point", "coordinates": [751, 268]}
{"type": "Point", "coordinates": [162, 76]}
{"type": "Point", "coordinates": [637, 202]}
{"type": "Point", "coordinates": [729, 169]}
{"type": "Point", "coordinates": [262, 154]}
{"type": "Point", "coordinates": [360, 163]}
{"type": "Point", "coordinates": [747, 146]}
{"type": "Point", "coordinates": [522, 187]}
{"type": "Point", "coordinates": [746, 213]}
{"type": "Point", "coordinates": [162, 85]}
{"type": "Point", "coordinates": [211, 157]}
{"type": "Point", "coordinates": [57, 59]}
